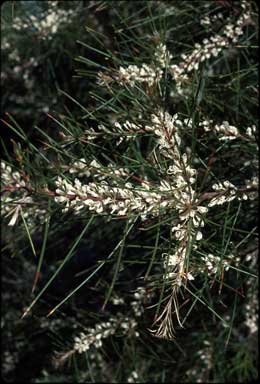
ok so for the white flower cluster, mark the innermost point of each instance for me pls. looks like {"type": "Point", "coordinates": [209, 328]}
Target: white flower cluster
{"type": "Point", "coordinates": [182, 178]}
{"type": "Point", "coordinates": [162, 56]}
{"type": "Point", "coordinates": [252, 305]}
{"type": "Point", "coordinates": [144, 74]}
{"type": "Point", "coordinates": [103, 197]}
{"type": "Point", "coordinates": [93, 336]}
{"type": "Point", "coordinates": [179, 76]}
{"type": "Point", "coordinates": [199, 372]}
{"type": "Point", "coordinates": [5, 44]}
{"type": "Point", "coordinates": [223, 186]}
{"type": "Point", "coordinates": [124, 131]}
{"type": "Point", "coordinates": [9, 361]}
{"type": "Point", "coordinates": [251, 131]}
{"type": "Point", "coordinates": [48, 25]}
{"type": "Point", "coordinates": [15, 206]}
{"type": "Point", "coordinates": [149, 74]}
{"type": "Point", "coordinates": [173, 264]}
{"type": "Point", "coordinates": [21, 202]}
{"type": "Point", "coordinates": [127, 126]}
{"type": "Point", "coordinates": [227, 131]}
{"type": "Point", "coordinates": [95, 169]}
{"type": "Point", "coordinates": [229, 192]}
{"type": "Point", "coordinates": [12, 207]}
{"type": "Point", "coordinates": [215, 263]}
{"type": "Point", "coordinates": [140, 297]}
{"type": "Point", "coordinates": [206, 354]}
{"type": "Point", "coordinates": [251, 314]}
{"type": "Point", "coordinates": [207, 20]}
{"type": "Point", "coordinates": [81, 168]}
{"type": "Point", "coordinates": [214, 45]}
{"type": "Point", "coordinates": [189, 210]}
{"type": "Point", "coordinates": [252, 183]}
{"type": "Point", "coordinates": [210, 47]}
{"type": "Point", "coordinates": [14, 56]}
{"type": "Point", "coordinates": [10, 178]}
{"type": "Point", "coordinates": [133, 377]}
{"type": "Point", "coordinates": [117, 300]}
{"type": "Point", "coordinates": [167, 128]}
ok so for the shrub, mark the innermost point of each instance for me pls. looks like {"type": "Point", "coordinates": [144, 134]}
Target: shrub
{"type": "Point", "coordinates": [138, 210]}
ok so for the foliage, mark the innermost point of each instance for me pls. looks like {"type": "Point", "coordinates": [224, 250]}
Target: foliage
{"type": "Point", "coordinates": [133, 220]}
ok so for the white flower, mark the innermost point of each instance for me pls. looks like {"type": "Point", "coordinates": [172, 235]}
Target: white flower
{"type": "Point", "coordinates": [179, 232]}
{"type": "Point", "coordinates": [198, 236]}
{"type": "Point", "coordinates": [251, 131]}
{"type": "Point", "coordinates": [189, 276]}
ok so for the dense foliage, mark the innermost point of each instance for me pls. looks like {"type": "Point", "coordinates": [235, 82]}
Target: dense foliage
{"type": "Point", "coordinates": [129, 191]}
